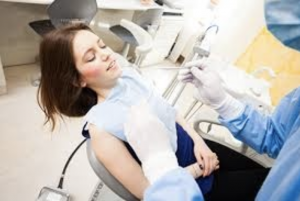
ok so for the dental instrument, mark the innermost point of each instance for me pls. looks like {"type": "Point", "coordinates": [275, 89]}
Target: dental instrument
{"type": "Point", "coordinates": [168, 68]}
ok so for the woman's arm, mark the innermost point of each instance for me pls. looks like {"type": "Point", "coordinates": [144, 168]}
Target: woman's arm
{"type": "Point", "coordinates": [117, 159]}
{"type": "Point", "coordinates": [190, 131]}
{"type": "Point", "coordinates": [264, 133]}
{"type": "Point", "coordinates": [205, 157]}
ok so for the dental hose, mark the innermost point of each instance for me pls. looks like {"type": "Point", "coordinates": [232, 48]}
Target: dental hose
{"type": "Point", "coordinates": [61, 180]}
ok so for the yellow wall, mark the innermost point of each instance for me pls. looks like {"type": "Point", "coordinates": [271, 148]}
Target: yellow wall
{"type": "Point", "coordinates": [266, 50]}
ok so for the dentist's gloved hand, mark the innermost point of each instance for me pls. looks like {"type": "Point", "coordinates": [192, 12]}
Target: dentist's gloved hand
{"type": "Point", "coordinates": [150, 140]}
{"type": "Point", "coordinates": [210, 88]}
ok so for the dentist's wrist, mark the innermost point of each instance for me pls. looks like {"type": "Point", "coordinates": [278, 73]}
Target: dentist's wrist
{"type": "Point", "coordinates": [230, 108]}
{"type": "Point", "coordinates": [159, 165]}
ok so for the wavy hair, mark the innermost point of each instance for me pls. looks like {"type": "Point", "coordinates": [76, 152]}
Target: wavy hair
{"type": "Point", "coordinates": [59, 92]}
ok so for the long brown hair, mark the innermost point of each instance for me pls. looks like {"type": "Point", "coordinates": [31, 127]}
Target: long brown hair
{"type": "Point", "coordinates": [59, 92]}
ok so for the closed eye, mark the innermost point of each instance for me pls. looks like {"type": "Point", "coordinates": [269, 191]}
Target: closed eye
{"type": "Point", "coordinates": [91, 58]}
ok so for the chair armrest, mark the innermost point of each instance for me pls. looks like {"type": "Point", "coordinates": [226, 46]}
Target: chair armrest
{"type": "Point", "coordinates": [245, 150]}
{"type": "Point", "coordinates": [143, 38]}
{"type": "Point", "coordinates": [241, 149]}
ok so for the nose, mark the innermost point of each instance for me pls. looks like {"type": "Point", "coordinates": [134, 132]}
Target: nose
{"type": "Point", "coordinates": [105, 54]}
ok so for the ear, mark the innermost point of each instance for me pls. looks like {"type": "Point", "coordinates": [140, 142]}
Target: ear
{"type": "Point", "coordinates": [79, 83]}
{"type": "Point", "coordinates": [82, 84]}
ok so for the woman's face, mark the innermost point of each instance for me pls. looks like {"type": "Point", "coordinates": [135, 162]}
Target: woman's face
{"type": "Point", "coordinates": [95, 61]}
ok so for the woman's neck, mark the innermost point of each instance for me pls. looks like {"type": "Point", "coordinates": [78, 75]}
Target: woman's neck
{"type": "Point", "coordinates": [102, 94]}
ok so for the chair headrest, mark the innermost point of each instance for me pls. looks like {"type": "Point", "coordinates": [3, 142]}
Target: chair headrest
{"type": "Point", "coordinates": [66, 11]}
{"type": "Point", "coordinates": [42, 27]}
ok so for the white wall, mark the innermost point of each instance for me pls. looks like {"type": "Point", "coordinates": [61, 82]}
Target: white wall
{"type": "Point", "coordinates": [18, 42]}
{"type": "Point", "coordinates": [240, 23]}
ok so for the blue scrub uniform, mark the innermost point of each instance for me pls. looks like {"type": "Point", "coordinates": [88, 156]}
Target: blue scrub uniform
{"type": "Point", "coordinates": [277, 135]}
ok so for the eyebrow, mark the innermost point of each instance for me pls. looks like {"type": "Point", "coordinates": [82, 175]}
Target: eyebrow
{"type": "Point", "coordinates": [88, 50]}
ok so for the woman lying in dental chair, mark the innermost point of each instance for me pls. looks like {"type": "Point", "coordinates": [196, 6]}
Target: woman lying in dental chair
{"type": "Point", "coordinates": [81, 77]}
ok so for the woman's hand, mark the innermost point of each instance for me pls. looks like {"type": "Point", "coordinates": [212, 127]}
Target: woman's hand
{"type": "Point", "coordinates": [205, 157]}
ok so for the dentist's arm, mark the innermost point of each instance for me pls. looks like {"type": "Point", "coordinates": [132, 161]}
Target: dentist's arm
{"type": "Point", "coordinates": [244, 122]}
{"type": "Point", "coordinates": [150, 141]}
{"type": "Point", "coordinates": [175, 185]}
{"type": "Point", "coordinates": [209, 88]}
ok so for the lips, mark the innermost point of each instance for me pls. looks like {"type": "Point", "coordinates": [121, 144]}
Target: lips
{"type": "Point", "coordinates": [111, 65]}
